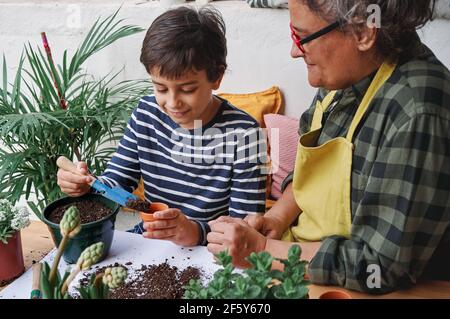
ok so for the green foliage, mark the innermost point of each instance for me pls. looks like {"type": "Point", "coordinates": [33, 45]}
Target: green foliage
{"type": "Point", "coordinates": [35, 130]}
{"type": "Point", "coordinates": [257, 282]}
{"type": "Point", "coordinates": [48, 290]}
{"type": "Point", "coordinates": [96, 289]}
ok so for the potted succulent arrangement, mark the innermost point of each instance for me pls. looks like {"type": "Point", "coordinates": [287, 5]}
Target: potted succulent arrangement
{"type": "Point", "coordinates": [48, 110]}
{"type": "Point", "coordinates": [12, 220]}
{"type": "Point", "coordinates": [257, 282]}
{"type": "Point", "coordinates": [54, 286]}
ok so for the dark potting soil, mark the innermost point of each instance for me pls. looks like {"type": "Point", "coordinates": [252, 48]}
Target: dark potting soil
{"type": "Point", "coordinates": [90, 211]}
{"type": "Point", "coordinates": [161, 281]}
{"type": "Point", "coordinates": [139, 205]}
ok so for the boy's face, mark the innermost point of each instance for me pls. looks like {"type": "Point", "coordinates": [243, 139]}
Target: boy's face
{"type": "Point", "coordinates": [187, 98]}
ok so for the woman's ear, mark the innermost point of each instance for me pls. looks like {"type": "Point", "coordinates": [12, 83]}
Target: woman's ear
{"type": "Point", "coordinates": [366, 38]}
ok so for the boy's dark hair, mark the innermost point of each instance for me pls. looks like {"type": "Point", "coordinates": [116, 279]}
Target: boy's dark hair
{"type": "Point", "coordinates": [183, 39]}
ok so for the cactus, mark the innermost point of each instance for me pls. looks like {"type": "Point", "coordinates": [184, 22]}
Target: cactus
{"type": "Point", "coordinates": [100, 284]}
{"type": "Point", "coordinates": [69, 227]}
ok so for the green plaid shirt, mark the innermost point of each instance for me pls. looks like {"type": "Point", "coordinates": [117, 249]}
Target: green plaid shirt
{"type": "Point", "coordinates": [400, 196]}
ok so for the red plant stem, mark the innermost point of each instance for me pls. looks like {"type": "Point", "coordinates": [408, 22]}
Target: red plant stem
{"type": "Point", "coordinates": [62, 102]}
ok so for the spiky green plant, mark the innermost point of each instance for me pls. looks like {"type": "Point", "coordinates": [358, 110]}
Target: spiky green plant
{"type": "Point", "coordinates": [35, 129]}
{"type": "Point", "coordinates": [57, 288]}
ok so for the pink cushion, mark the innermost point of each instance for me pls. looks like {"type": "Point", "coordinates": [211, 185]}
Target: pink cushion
{"type": "Point", "coordinates": [283, 143]}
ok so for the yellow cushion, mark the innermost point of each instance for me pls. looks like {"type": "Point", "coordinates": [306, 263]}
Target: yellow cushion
{"type": "Point", "coordinates": [257, 104]}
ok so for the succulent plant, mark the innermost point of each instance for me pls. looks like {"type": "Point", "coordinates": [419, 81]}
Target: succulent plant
{"type": "Point", "coordinates": [52, 290]}
{"type": "Point", "coordinates": [70, 224]}
{"type": "Point", "coordinates": [57, 288]}
{"type": "Point", "coordinates": [113, 277]}
{"type": "Point", "coordinates": [99, 285]}
{"type": "Point", "coordinates": [90, 256]}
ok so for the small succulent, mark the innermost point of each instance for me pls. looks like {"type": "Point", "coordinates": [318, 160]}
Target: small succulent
{"type": "Point", "coordinates": [57, 287]}
{"type": "Point", "coordinates": [69, 227]}
{"type": "Point", "coordinates": [90, 256]}
{"type": "Point", "coordinates": [70, 224]}
{"type": "Point", "coordinates": [99, 285]}
{"type": "Point", "coordinates": [113, 277]}
{"type": "Point", "coordinates": [257, 282]}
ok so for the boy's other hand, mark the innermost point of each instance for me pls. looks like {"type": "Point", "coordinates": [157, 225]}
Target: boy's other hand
{"type": "Point", "coordinates": [72, 184]}
{"type": "Point", "coordinates": [171, 224]}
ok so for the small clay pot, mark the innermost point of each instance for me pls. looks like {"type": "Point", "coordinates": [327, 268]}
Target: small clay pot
{"type": "Point", "coordinates": [335, 294]}
{"type": "Point", "coordinates": [154, 207]}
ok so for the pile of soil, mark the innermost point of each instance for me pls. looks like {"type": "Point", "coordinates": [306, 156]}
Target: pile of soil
{"type": "Point", "coordinates": [161, 281]}
{"type": "Point", "coordinates": [90, 211]}
{"type": "Point", "coordinates": [139, 205]}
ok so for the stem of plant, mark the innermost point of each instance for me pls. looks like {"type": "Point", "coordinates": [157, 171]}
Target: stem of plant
{"type": "Point", "coordinates": [98, 280]}
{"type": "Point", "coordinates": [69, 279]}
{"type": "Point", "coordinates": [62, 246]}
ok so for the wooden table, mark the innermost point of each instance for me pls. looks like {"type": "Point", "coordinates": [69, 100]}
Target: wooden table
{"type": "Point", "coordinates": [37, 242]}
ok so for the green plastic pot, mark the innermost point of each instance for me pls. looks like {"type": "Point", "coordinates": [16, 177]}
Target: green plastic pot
{"type": "Point", "coordinates": [90, 233]}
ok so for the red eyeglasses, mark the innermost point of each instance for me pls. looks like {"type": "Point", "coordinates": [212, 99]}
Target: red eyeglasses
{"type": "Point", "coordinates": [299, 42]}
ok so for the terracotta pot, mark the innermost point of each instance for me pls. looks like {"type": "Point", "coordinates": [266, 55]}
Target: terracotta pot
{"type": "Point", "coordinates": [11, 259]}
{"type": "Point", "coordinates": [335, 294]}
{"type": "Point", "coordinates": [91, 233]}
{"type": "Point", "coordinates": [154, 207]}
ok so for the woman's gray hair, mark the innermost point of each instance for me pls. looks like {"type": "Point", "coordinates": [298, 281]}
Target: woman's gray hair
{"type": "Point", "coordinates": [399, 19]}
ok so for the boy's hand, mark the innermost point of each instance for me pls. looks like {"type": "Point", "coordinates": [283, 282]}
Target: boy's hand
{"type": "Point", "coordinates": [267, 225]}
{"type": "Point", "coordinates": [72, 184]}
{"type": "Point", "coordinates": [173, 225]}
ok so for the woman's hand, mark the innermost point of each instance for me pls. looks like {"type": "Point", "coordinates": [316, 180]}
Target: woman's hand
{"type": "Point", "coordinates": [171, 224]}
{"type": "Point", "coordinates": [269, 226]}
{"type": "Point", "coordinates": [236, 236]}
{"type": "Point", "coordinates": [72, 184]}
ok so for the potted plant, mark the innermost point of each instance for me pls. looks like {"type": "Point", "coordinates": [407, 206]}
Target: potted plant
{"type": "Point", "coordinates": [50, 110]}
{"type": "Point", "coordinates": [54, 286]}
{"type": "Point", "coordinates": [257, 282]}
{"type": "Point", "coordinates": [96, 224]}
{"type": "Point", "coordinates": [12, 220]}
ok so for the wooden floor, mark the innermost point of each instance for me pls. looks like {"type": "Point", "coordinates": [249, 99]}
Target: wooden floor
{"type": "Point", "coordinates": [37, 242]}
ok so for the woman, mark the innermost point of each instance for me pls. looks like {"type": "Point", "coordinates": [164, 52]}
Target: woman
{"type": "Point", "coordinates": [368, 201]}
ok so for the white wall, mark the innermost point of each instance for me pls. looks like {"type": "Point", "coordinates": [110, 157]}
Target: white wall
{"type": "Point", "coordinates": [258, 41]}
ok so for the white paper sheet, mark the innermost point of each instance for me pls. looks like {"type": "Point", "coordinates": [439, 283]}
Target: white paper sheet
{"type": "Point", "coordinates": [127, 247]}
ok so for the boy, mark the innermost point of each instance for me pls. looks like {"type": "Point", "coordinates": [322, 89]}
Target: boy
{"type": "Point", "coordinates": [195, 152]}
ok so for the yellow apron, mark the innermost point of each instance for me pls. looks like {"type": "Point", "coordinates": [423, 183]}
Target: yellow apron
{"type": "Point", "coordinates": [322, 175]}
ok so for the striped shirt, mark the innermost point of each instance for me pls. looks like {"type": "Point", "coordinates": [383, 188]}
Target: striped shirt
{"type": "Point", "coordinates": [208, 172]}
{"type": "Point", "coordinates": [400, 193]}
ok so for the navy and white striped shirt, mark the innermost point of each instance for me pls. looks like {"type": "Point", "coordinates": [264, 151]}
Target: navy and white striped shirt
{"type": "Point", "coordinates": [216, 170]}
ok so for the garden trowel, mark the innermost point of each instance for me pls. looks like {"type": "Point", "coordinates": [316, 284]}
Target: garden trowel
{"type": "Point", "coordinates": [116, 194]}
